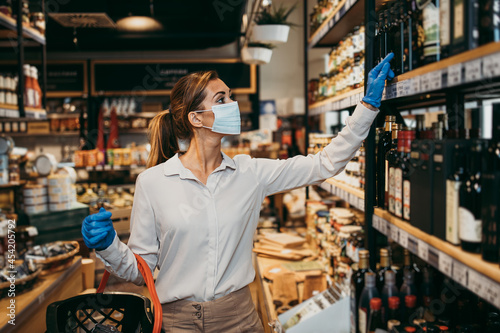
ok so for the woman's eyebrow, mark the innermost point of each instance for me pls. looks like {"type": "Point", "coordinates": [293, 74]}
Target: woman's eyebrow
{"type": "Point", "coordinates": [220, 92]}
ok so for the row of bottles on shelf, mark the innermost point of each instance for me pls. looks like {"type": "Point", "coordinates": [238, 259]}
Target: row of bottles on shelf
{"type": "Point", "coordinates": [34, 20]}
{"type": "Point", "coordinates": [414, 298]}
{"type": "Point", "coordinates": [451, 177]}
{"type": "Point", "coordinates": [32, 91]}
{"type": "Point", "coordinates": [344, 70]}
{"type": "Point", "coordinates": [133, 155]}
{"type": "Point", "coordinates": [322, 10]}
{"type": "Point", "coordinates": [354, 172]}
{"type": "Point", "coordinates": [420, 32]}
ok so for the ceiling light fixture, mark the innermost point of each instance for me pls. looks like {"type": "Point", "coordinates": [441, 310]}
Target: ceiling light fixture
{"type": "Point", "coordinates": [138, 24]}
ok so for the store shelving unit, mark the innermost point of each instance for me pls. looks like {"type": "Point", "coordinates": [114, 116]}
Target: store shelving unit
{"type": "Point", "coordinates": [468, 269]}
{"type": "Point", "coordinates": [339, 23]}
{"type": "Point", "coordinates": [439, 83]}
{"type": "Point", "coordinates": [354, 196]}
{"type": "Point", "coordinates": [337, 103]}
{"type": "Point", "coordinates": [12, 35]}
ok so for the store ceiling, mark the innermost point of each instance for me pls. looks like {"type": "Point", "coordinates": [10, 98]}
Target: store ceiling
{"type": "Point", "coordinates": [186, 25]}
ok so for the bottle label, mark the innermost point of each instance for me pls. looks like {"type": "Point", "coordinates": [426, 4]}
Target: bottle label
{"type": "Point", "coordinates": [398, 195]}
{"type": "Point", "coordinates": [386, 175]}
{"type": "Point", "coordinates": [452, 204]}
{"type": "Point", "coordinates": [458, 27]}
{"type": "Point", "coordinates": [392, 189]}
{"type": "Point", "coordinates": [469, 227]}
{"type": "Point", "coordinates": [431, 30]}
{"type": "Point", "coordinates": [406, 200]}
{"type": "Point", "coordinates": [444, 13]}
{"type": "Point", "coordinates": [362, 320]}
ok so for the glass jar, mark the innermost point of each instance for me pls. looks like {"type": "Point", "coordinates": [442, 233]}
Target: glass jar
{"type": "Point", "coordinates": [38, 22]}
{"type": "Point", "coordinates": [6, 7]}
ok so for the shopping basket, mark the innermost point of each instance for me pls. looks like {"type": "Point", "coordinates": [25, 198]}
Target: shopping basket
{"type": "Point", "coordinates": [127, 312]}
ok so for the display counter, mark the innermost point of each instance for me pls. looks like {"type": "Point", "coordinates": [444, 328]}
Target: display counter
{"type": "Point", "coordinates": [31, 305]}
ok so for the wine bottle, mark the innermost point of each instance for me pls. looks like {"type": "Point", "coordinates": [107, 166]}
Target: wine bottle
{"type": "Point", "coordinates": [382, 36]}
{"type": "Point", "coordinates": [393, 313]}
{"type": "Point", "coordinates": [390, 162]}
{"type": "Point", "coordinates": [406, 172]}
{"type": "Point", "coordinates": [376, 42]}
{"type": "Point", "coordinates": [384, 144]}
{"type": "Point", "coordinates": [469, 213]}
{"type": "Point", "coordinates": [406, 23]}
{"type": "Point", "coordinates": [430, 13]}
{"type": "Point", "coordinates": [369, 291]}
{"type": "Point", "coordinates": [489, 26]}
{"type": "Point", "coordinates": [420, 127]}
{"type": "Point", "coordinates": [417, 35]}
{"type": "Point", "coordinates": [410, 312]}
{"type": "Point", "coordinates": [445, 27]}
{"type": "Point", "coordinates": [375, 322]}
{"type": "Point", "coordinates": [453, 184]}
{"type": "Point", "coordinates": [394, 38]}
{"type": "Point", "coordinates": [389, 290]}
{"type": "Point", "coordinates": [428, 294]}
{"type": "Point", "coordinates": [384, 266]}
{"type": "Point", "coordinates": [490, 214]}
{"type": "Point", "coordinates": [357, 285]}
{"type": "Point", "coordinates": [466, 25]}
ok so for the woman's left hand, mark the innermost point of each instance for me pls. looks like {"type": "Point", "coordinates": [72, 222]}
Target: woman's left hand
{"type": "Point", "coordinates": [376, 81]}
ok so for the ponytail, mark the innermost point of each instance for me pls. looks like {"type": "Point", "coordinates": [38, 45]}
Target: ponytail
{"type": "Point", "coordinates": [167, 126]}
{"type": "Point", "coordinates": [162, 138]}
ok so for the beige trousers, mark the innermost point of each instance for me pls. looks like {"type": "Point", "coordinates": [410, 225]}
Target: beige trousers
{"type": "Point", "coordinates": [233, 313]}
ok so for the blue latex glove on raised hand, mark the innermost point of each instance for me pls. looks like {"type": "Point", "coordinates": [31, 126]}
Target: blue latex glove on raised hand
{"type": "Point", "coordinates": [376, 81]}
{"type": "Point", "coordinates": [97, 230]}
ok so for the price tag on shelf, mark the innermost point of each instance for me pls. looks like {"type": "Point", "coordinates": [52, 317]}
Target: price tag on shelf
{"type": "Point", "coordinates": [425, 84]}
{"type": "Point", "coordinates": [423, 250]}
{"type": "Point", "coordinates": [460, 273]}
{"type": "Point", "coordinates": [107, 167]}
{"type": "Point", "coordinates": [473, 70]}
{"type": "Point", "coordinates": [415, 85]}
{"type": "Point", "coordinates": [454, 75]}
{"type": "Point", "coordinates": [406, 87]}
{"type": "Point", "coordinates": [403, 238]}
{"type": "Point", "coordinates": [433, 259]}
{"type": "Point", "coordinates": [337, 16]}
{"type": "Point", "coordinates": [99, 168]}
{"type": "Point", "coordinates": [475, 283]}
{"type": "Point", "coordinates": [395, 233]}
{"type": "Point", "coordinates": [330, 24]}
{"type": "Point", "coordinates": [400, 89]}
{"type": "Point", "coordinates": [492, 290]}
{"type": "Point", "coordinates": [445, 264]}
{"type": "Point", "coordinates": [412, 244]}
{"type": "Point", "coordinates": [376, 222]}
{"type": "Point", "coordinates": [491, 65]}
{"type": "Point", "coordinates": [383, 226]}
{"type": "Point", "coordinates": [361, 204]}
{"type": "Point", "coordinates": [436, 80]}
{"type": "Point", "coordinates": [116, 167]}
{"type": "Point", "coordinates": [89, 168]}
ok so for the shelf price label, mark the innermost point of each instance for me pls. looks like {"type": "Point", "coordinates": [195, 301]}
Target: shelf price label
{"type": "Point", "coordinates": [435, 80]}
{"type": "Point", "coordinates": [116, 167]}
{"type": "Point", "coordinates": [475, 283]}
{"type": "Point", "coordinates": [425, 84]}
{"type": "Point", "coordinates": [99, 168]}
{"type": "Point", "coordinates": [460, 273]}
{"type": "Point", "coordinates": [107, 167]}
{"type": "Point", "coordinates": [403, 238]}
{"type": "Point", "coordinates": [492, 291]}
{"type": "Point", "coordinates": [423, 250]}
{"type": "Point", "coordinates": [376, 222]}
{"type": "Point", "coordinates": [491, 65]}
{"type": "Point", "coordinates": [454, 75]}
{"type": "Point", "coordinates": [445, 264]}
{"type": "Point", "coordinates": [412, 244]}
{"type": "Point", "coordinates": [395, 233]}
{"type": "Point", "coordinates": [361, 204]}
{"type": "Point", "coordinates": [384, 226]}
{"type": "Point", "coordinates": [415, 85]}
{"type": "Point", "coordinates": [89, 168]}
{"type": "Point", "coordinates": [473, 70]}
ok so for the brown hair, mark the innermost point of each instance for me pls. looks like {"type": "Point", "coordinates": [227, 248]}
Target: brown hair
{"type": "Point", "coordinates": [168, 126]}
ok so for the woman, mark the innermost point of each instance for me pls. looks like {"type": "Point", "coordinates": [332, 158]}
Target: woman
{"type": "Point", "coordinates": [194, 214]}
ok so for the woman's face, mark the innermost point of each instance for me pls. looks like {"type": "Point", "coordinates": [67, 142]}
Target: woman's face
{"type": "Point", "coordinates": [216, 93]}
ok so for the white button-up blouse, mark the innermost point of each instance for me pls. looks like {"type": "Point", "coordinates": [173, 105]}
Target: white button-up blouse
{"type": "Point", "coordinates": [200, 236]}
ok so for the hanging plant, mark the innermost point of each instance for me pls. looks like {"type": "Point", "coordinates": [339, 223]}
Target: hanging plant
{"type": "Point", "coordinates": [272, 25]}
{"type": "Point", "coordinates": [257, 53]}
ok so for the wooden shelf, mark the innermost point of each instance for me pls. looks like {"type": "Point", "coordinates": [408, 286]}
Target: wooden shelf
{"type": "Point", "coordinates": [11, 24]}
{"type": "Point", "coordinates": [465, 69]}
{"type": "Point", "coordinates": [347, 15]}
{"type": "Point", "coordinates": [468, 269]}
{"type": "Point", "coordinates": [13, 185]}
{"type": "Point", "coordinates": [104, 168]}
{"type": "Point", "coordinates": [70, 133]}
{"type": "Point", "coordinates": [12, 111]}
{"type": "Point", "coordinates": [338, 102]}
{"type": "Point", "coordinates": [353, 196]}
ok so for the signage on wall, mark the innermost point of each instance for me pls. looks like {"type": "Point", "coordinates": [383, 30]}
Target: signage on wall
{"type": "Point", "coordinates": [156, 77]}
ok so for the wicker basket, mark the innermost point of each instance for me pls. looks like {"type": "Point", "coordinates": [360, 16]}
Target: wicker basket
{"type": "Point", "coordinates": [21, 284]}
{"type": "Point", "coordinates": [59, 262]}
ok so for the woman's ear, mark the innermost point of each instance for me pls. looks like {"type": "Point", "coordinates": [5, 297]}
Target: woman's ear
{"type": "Point", "coordinates": [195, 119]}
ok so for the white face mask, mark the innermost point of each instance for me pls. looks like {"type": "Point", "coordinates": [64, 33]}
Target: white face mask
{"type": "Point", "coordinates": [226, 118]}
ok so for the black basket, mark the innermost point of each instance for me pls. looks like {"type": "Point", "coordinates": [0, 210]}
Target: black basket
{"type": "Point", "coordinates": [126, 311]}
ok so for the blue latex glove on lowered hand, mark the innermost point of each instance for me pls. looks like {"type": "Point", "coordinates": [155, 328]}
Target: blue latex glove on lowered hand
{"type": "Point", "coordinates": [97, 230]}
{"type": "Point", "coordinates": [376, 81]}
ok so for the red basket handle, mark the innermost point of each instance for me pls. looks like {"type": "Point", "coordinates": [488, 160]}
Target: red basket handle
{"type": "Point", "coordinates": [150, 283]}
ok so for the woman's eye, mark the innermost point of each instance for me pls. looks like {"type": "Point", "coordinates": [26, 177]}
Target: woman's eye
{"type": "Point", "coordinates": [220, 100]}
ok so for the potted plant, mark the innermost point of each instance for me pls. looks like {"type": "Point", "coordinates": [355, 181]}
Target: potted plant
{"type": "Point", "coordinates": [257, 53]}
{"type": "Point", "coordinates": [272, 26]}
